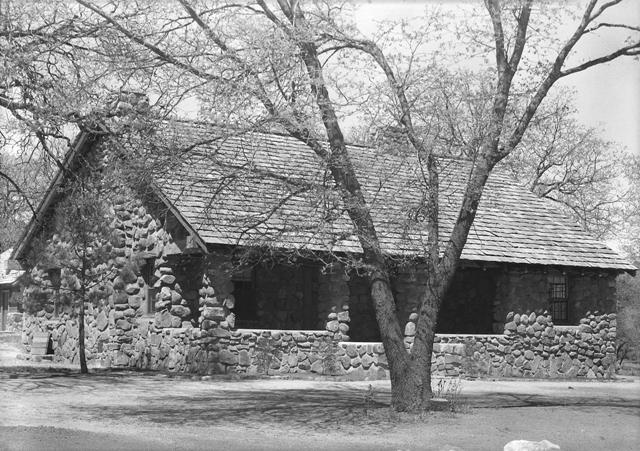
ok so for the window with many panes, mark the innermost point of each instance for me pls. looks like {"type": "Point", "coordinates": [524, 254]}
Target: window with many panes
{"type": "Point", "coordinates": [559, 298]}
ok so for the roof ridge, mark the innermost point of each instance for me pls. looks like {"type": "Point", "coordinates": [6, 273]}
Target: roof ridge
{"type": "Point", "coordinates": [287, 135]}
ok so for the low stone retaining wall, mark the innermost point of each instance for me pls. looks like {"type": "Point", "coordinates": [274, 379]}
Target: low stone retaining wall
{"type": "Point", "coordinates": [531, 346]}
{"type": "Point", "coordinates": [540, 349]}
{"type": "Point", "coordinates": [283, 351]}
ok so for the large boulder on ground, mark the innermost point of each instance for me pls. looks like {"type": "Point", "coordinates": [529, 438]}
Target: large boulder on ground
{"type": "Point", "coordinates": [526, 445]}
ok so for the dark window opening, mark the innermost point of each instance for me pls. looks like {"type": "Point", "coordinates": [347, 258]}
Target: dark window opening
{"type": "Point", "coordinates": [4, 308]}
{"type": "Point", "coordinates": [149, 292]}
{"type": "Point", "coordinates": [363, 325]}
{"type": "Point", "coordinates": [55, 279]}
{"type": "Point", "coordinates": [559, 298]}
{"type": "Point", "coordinates": [246, 306]}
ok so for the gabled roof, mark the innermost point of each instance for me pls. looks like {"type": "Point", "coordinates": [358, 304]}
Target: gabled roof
{"type": "Point", "coordinates": [255, 188]}
{"type": "Point", "coordinates": [258, 188]}
{"type": "Point", "coordinates": [80, 143]}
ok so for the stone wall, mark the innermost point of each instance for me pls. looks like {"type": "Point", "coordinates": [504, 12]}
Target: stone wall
{"type": "Point", "coordinates": [283, 351]}
{"type": "Point", "coordinates": [63, 330]}
{"type": "Point", "coordinates": [531, 346]}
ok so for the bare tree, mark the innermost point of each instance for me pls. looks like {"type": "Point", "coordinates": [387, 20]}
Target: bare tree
{"type": "Point", "coordinates": [568, 163]}
{"type": "Point", "coordinates": [558, 158]}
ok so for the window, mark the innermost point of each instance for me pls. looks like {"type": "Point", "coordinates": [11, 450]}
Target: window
{"type": "Point", "coordinates": [559, 298]}
{"type": "Point", "coordinates": [55, 279]}
{"type": "Point", "coordinates": [4, 307]}
{"type": "Point", "coordinates": [149, 292]}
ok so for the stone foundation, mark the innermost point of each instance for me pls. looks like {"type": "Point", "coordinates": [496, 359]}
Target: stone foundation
{"type": "Point", "coordinates": [531, 346]}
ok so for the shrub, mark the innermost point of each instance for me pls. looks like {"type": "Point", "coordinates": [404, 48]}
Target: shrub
{"type": "Point", "coordinates": [450, 389]}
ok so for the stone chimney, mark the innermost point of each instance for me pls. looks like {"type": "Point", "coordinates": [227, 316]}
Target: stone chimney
{"type": "Point", "coordinates": [130, 102]}
{"type": "Point", "coordinates": [391, 138]}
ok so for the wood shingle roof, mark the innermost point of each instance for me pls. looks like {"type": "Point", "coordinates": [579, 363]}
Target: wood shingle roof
{"type": "Point", "coordinates": [267, 189]}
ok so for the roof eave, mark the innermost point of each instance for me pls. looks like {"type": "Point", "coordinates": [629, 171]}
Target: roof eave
{"type": "Point", "coordinates": [181, 219]}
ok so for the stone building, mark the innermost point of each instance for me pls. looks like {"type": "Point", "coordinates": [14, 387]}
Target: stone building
{"type": "Point", "coordinates": [233, 253]}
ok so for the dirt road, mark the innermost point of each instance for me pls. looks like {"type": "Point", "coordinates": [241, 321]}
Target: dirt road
{"type": "Point", "coordinates": [56, 409]}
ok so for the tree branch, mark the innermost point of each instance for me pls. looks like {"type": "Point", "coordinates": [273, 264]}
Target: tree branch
{"type": "Point", "coordinates": [149, 46]}
{"type": "Point", "coordinates": [553, 75]}
{"type": "Point", "coordinates": [498, 33]}
{"type": "Point", "coordinates": [630, 50]}
{"type": "Point", "coordinates": [22, 193]}
{"type": "Point", "coordinates": [611, 25]}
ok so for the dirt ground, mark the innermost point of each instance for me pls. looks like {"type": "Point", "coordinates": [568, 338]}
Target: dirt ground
{"type": "Point", "coordinates": [55, 409]}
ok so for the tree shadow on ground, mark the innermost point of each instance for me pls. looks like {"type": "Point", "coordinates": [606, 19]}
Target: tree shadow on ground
{"type": "Point", "coordinates": [315, 409]}
{"type": "Point", "coordinates": [17, 378]}
{"type": "Point", "coordinates": [152, 397]}
{"type": "Point", "coordinates": [306, 409]}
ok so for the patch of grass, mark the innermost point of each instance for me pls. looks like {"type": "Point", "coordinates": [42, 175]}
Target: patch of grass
{"type": "Point", "coordinates": [451, 390]}
{"type": "Point", "coordinates": [376, 412]}
{"type": "Point", "coordinates": [368, 399]}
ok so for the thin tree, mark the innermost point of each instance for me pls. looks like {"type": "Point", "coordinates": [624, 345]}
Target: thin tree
{"type": "Point", "coordinates": [80, 250]}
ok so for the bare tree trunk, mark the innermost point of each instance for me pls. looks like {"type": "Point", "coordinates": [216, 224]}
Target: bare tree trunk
{"type": "Point", "coordinates": [81, 346]}
{"type": "Point", "coordinates": [422, 348]}
{"type": "Point", "coordinates": [81, 350]}
{"type": "Point", "coordinates": [406, 385]}
{"type": "Point", "coordinates": [410, 372]}
{"type": "Point", "coordinates": [406, 371]}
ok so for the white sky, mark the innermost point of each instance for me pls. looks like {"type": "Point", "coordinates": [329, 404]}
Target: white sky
{"type": "Point", "coordinates": [607, 96]}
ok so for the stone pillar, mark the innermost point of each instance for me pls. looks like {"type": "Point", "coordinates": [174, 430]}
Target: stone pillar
{"type": "Point", "coordinates": [216, 297]}
{"type": "Point", "coordinates": [338, 323]}
{"type": "Point", "coordinates": [410, 331]}
{"type": "Point", "coordinates": [333, 301]}
{"type": "Point", "coordinates": [170, 299]}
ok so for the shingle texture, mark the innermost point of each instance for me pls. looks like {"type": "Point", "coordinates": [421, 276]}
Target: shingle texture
{"type": "Point", "coordinates": [267, 189]}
